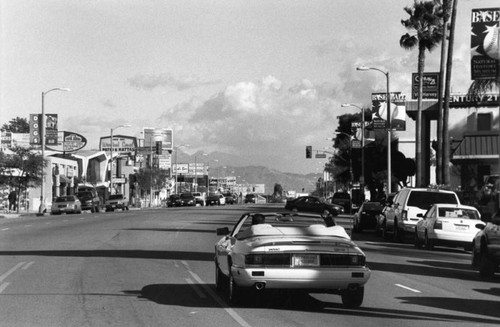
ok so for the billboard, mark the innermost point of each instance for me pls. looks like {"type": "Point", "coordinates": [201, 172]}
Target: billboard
{"type": "Point", "coordinates": [68, 142]}
{"type": "Point", "coordinates": [121, 144]}
{"type": "Point", "coordinates": [398, 111]}
{"type": "Point", "coordinates": [152, 135]}
{"type": "Point", "coordinates": [485, 52]}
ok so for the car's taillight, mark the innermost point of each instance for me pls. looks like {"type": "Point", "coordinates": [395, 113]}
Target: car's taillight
{"type": "Point", "coordinates": [438, 224]}
{"type": "Point", "coordinates": [404, 215]}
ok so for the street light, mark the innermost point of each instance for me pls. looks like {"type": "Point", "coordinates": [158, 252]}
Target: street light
{"type": "Point", "coordinates": [389, 134]}
{"type": "Point", "coordinates": [111, 151]}
{"type": "Point", "coordinates": [41, 208]}
{"type": "Point", "coordinates": [362, 176]}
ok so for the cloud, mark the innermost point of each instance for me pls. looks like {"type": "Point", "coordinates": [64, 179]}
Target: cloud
{"type": "Point", "coordinates": [150, 82]}
{"type": "Point", "coordinates": [108, 103]}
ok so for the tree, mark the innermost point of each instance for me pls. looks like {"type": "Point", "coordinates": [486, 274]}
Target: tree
{"type": "Point", "coordinates": [155, 179]}
{"type": "Point", "coordinates": [278, 191]}
{"type": "Point", "coordinates": [425, 22]}
{"type": "Point", "coordinates": [16, 125]}
{"type": "Point", "coordinates": [21, 170]}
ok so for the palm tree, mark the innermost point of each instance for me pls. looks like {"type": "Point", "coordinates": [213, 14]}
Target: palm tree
{"type": "Point", "coordinates": [425, 22]}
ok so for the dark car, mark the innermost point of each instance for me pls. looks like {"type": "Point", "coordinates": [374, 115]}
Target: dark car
{"type": "Point", "coordinates": [313, 204]}
{"type": "Point", "coordinates": [173, 200]}
{"type": "Point", "coordinates": [486, 247]}
{"type": "Point", "coordinates": [366, 216]}
{"type": "Point", "coordinates": [90, 201]}
{"type": "Point", "coordinates": [230, 198]}
{"type": "Point", "coordinates": [215, 199]}
{"type": "Point", "coordinates": [187, 200]}
{"type": "Point", "coordinates": [342, 199]}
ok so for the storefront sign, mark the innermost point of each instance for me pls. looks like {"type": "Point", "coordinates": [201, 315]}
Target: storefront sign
{"type": "Point", "coordinates": [484, 45]}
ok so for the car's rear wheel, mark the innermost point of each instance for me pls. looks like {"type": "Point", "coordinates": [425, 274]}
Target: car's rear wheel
{"type": "Point", "coordinates": [353, 298]}
{"type": "Point", "coordinates": [220, 279]}
{"type": "Point", "coordinates": [485, 266]}
{"type": "Point", "coordinates": [417, 241]}
{"type": "Point", "coordinates": [429, 243]}
{"type": "Point", "coordinates": [234, 291]}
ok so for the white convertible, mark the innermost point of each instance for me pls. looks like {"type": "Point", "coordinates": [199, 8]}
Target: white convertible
{"type": "Point", "coordinates": [294, 251]}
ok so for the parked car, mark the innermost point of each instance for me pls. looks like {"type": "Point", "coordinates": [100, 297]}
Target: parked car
{"type": "Point", "coordinates": [173, 200]}
{"type": "Point", "coordinates": [254, 198]}
{"type": "Point", "coordinates": [308, 255]}
{"type": "Point", "coordinates": [199, 198]}
{"type": "Point", "coordinates": [486, 247]}
{"type": "Point", "coordinates": [401, 218]}
{"type": "Point", "coordinates": [448, 224]}
{"type": "Point", "coordinates": [366, 216]}
{"type": "Point", "coordinates": [66, 204]}
{"type": "Point", "coordinates": [116, 201]}
{"type": "Point", "coordinates": [311, 203]}
{"type": "Point", "coordinates": [187, 200]}
{"type": "Point", "coordinates": [230, 198]}
{"type": "Point", "coordinates": [342, 199]}
{"type": "Point", "coordinates": [90, 201]}
{"type": "Point", "coordinates": [215, 199]}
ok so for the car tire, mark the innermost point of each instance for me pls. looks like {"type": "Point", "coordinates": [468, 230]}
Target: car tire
{"type": "Point", "coordinates": [429, 244]}
{"type": "Point", "coordinates": [97, 208]}
{"type": "Point", "coordinates": [220, 279]}
{"type": "Point", "coordinates": [417, 242]}
{"type": "Point", "coordinates": [353, 298]}
{"type": "Point", "coordinates": [485, 266]}
{"type": "Point", "coordinates": [92, 209]}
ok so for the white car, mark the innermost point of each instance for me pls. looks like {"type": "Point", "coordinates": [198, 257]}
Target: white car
{"type": "Point", "coordinates": [448, 224]}
{"type": "Point", "coordinates": [291, 251]}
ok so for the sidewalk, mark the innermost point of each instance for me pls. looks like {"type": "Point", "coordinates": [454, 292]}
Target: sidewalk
{"type": "Point", "coordinates": [11, 215]}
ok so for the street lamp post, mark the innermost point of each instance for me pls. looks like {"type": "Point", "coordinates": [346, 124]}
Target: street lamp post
{"type": "Point", "coordinates": [111, 151]}
{"type": "Point", "coordinates": [41, 208]}
{"type": "Point", "coordinates": [362, 176]}
{"type": "Point", "coordinates": [389, 134]}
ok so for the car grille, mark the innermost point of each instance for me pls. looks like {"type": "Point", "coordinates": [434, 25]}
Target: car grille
{"type": "Point", "coordinates": [327, 260]}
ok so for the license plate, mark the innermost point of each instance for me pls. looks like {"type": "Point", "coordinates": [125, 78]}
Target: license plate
{"type": "Point", "coordinates": [461, 227]}
{"type": "Point", "coordinates": [305, 260]}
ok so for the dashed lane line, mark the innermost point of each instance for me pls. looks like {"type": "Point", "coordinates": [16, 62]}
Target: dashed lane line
{"type": "Point", "coordinates": [3, 286]}
{"type": "Point", "coordinates": [5, 275]}
{"type": "Point", "coordinates": [408, 288]}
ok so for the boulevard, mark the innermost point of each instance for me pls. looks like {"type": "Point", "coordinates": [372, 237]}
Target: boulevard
{"type": "Point", "coordinates": [155, 268]}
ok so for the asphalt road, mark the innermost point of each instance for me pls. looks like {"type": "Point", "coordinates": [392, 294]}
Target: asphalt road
{"type": "Point", "coordinates": [155, 268]}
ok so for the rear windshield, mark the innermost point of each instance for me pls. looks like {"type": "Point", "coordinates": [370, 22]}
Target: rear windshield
{"type": "Point", "coordinates": [424, 200]}
{"type": "Point", "coordinates": [342, 196]}
{"type": "Point", "coordinates": [65, 199]}
{"type": "Point", "coordinates": [373, 206]}
{"type": "Point", "coordinates": [458, 213]}
{"type": "Point", "coordinates": [116, 197]}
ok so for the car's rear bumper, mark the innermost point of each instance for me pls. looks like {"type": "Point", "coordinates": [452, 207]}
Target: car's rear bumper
{"type": "Point", "coordinates": [449, 237]}
{"type": "Point", "coordinates": [303, 278]}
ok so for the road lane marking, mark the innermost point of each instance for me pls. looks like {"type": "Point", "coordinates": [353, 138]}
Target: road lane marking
{"type": "Point", "coordinates": [407, 288]}
{"type": "Point", "coordinates": [3, 287]}
{"type": "Point", "coordinates": [217, 299]}
{"type": "Point", "coordinates": [28, 265]}
{"type": "Point", "coordinates": [11, 271]}
{"type": "Point", "coordinates": [5, 229]}
{"type": "Point", "coordinates": [195, 288]}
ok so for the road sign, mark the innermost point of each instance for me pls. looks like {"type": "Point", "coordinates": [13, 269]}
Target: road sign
{"type": "Point", "coordinates": [320, 155]}
{"type": "Point", "coordinates": [356, 144]}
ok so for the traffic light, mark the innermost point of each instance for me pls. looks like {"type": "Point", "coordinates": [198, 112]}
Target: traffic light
{"type": "Point", "coordinates": [309, 150]}
{"type": "Point", "coordinates": [158, 147]}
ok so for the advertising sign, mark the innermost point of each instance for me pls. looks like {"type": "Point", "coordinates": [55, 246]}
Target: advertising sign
{"type": "Point", "coordinates": [68, 142]}
{"type": "Point", "coordinates": [398, 111]}
{"type": "Point", "coordinates": [430, 85]}
{"type": "Point", "coordinates": [51, 133]}
{"type": "Point", "coordinates": [6, 139]}
{"type": "Point", "coordinates": [152, 135]}
{"type": "Point", "coordinates": [121, 144]}
{"type": "Point", "coordinates": [180, 169]}
{"type": "Point", "coordinates": [484, 45]}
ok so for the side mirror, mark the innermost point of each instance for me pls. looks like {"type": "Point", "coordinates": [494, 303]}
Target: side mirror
{"type": "Point", "coordinates": [223, 231]}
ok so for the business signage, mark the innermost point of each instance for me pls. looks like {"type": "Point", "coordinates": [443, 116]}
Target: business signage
{"type": "Point", "coordinates": [398, 111]}
{"type": "Point", "coordinates": [430, 86]}
{"type": "Point", "coordinates": [485, 52]}
{"type": "Point", "coordinates": [121, 144]}
{"type": "Point", "coordinates": [68, 142]}
{"type": "Point", "coordinates": [51, 133]}
{"type": "Point", "coordinates": [153, 135]}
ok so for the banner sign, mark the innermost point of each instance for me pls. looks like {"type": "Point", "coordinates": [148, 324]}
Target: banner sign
{"type": "Point", "coordinates": [398, 111]}
{"type": "Point", "coordinates": [51, 133]}
{"type": "Point", "coordinates": [153, 135]}
{"type": "Point", "coordinates": [430, 85]}
{"type": "Point", "coordinates": [485, 52]}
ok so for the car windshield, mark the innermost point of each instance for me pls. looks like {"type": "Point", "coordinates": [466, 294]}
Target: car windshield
{"type": "Point", "coordinates": [116, 197]}
{"type": "Point", "coordinates": [458, 213]}
{"type": "Point", "coordinates": [186, 195]}
{"type": "Point", "coordinates": [65, 199]}
{"type": "Point", "coordinates": [84, 194]}
{"type": "Point", "coordinates": [372, 206]}
{"type": "Point", "coordinates": [424, 199]}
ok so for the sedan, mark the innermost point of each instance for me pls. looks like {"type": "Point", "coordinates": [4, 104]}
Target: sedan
{"type": "Point", "coordinates": [447, 224]}
{"type": "Point", "coordinates": [366, 216]}
{"type": "Point", "coordinates": [486, 247]}
{"type": "Point", "coordinates": [313, 204]}
{"type": "Point", "coordinates": [215, 199]}
{"type": "Point", "coordinates": [187, 200]}
{"type": "Point", "coordinates": [66, 204]}
{"type": "Point", "coordinates": [289, 251]}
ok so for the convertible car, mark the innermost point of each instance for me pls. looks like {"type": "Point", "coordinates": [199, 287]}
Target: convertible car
{"type": "Point", "coordinates": [289, 251]}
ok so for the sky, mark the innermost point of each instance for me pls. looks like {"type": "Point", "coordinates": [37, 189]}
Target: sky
{"type": "Point", "coordinates": [258, 79]}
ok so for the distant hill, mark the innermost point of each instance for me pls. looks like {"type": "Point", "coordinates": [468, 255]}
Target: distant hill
{"type": "Point", "coordinates": [223, 164]}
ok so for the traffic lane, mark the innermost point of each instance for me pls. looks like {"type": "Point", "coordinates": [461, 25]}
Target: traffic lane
{"type": "Point", "coordinates": [438, 281]}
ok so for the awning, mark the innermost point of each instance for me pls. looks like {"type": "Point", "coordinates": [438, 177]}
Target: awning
{"type": "Point", "coordinates": [64, 179]}
{"type": "Point", "coordinates": [480, 146]}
